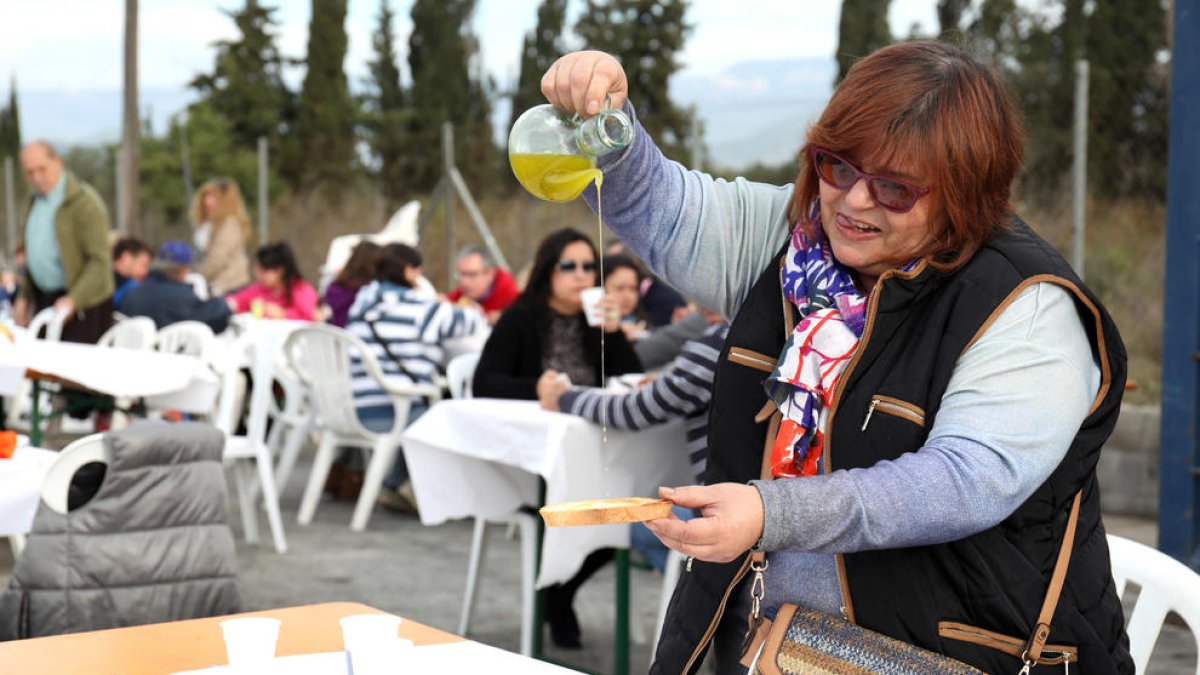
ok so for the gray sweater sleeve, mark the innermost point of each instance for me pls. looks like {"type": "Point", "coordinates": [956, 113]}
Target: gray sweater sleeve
{"type": "Point", "coordinates": [1014, 403]}
{"type": "Point", "coordinates": [709, 238]}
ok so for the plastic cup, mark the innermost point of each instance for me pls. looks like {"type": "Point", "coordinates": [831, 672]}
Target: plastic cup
{"type": "Point", "coordinates": [590, 297]}
{"type": "Point", "coordinates": [250, 640]}
{"type": "Point", "coordinates": [372, 643]}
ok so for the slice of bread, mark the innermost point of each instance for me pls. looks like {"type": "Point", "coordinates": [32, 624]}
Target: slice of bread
{"type": "Point", "coordinates": [605, 511]}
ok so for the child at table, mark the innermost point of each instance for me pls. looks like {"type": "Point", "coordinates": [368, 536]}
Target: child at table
{"type": "Point", "coordinates": [278, 290]}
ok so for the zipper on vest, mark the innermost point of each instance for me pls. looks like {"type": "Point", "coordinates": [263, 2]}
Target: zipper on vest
{"type": "Point", "coordinates": [872, 307]}
{"type": "Point", "coordinates": [892, 407]}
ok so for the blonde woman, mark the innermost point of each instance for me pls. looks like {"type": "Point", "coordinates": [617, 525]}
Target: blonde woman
{"type": "Point", "coordinates": [222, 229]}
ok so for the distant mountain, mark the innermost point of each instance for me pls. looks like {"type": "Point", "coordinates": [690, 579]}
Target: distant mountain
{"type": "Point", "coordinates": [757, 111]}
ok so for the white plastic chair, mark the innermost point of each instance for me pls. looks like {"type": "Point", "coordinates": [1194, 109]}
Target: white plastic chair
{"type": "Point", "coordinates": [320, 356]}
{"type": "Point", "coordinates": [459, 373]}
{"type": "Point", "coordinates": [675, 561]}
{"type": "Point", "coordinates": [19, 407]}
{"type": "Point", "coordinates": [137, 332]}
{"type": "Point", "coordinates": [57, 483]}
{"type": "Point", "coordinates": [1166, 585]}
{"type": "Point", "coordinates": [291, 423]}
{"type": "Point", "coordinates": [192, 338]}
{"type": "Point", "coordinates": [248, 455]}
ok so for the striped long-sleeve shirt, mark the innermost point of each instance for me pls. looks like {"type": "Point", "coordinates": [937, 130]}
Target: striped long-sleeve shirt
{"type": "Point", "coordinates": [683, 391]}
{"type": "Point", "coordinates": [397, 322]}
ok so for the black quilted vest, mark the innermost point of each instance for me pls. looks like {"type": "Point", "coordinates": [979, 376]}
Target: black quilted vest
{"type": "Point", "coordinates": [919, 323]}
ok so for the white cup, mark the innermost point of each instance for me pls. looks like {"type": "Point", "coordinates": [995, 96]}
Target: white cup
{"type": "Point", "coordinates": [590, 297]}
{"type": "Point", "coordinates": [373, 643]}
{"type": "Point", "coordinates": [250, 639]}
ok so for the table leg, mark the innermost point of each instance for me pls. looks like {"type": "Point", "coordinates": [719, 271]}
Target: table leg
{"type": "Point", "coordinates": [621, 652]}
{"type": "Point", "coordinates": [539, 604]}
{"type": "Point", "coordinates": [35, 417]}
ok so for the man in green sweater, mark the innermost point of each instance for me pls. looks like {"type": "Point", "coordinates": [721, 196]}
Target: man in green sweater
{"type": "Point", "coordinates": [68, 262]}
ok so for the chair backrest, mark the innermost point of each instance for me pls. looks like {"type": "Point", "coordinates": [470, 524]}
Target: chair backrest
{"type": "Point", "coordinates": [320, 356]}
{"type": "Point", "coordinates": [136, 332]}
{"type": "Point", "coordinates": [459, 373]}
{"type": "Point", "coordinates": [57, 483]}
{"type": "Point", "coordinates": [192, 338]}
{"type": "Point", "coordinates": [1166, 585]}
{"type": "Point", "coordinates": [49, 319]}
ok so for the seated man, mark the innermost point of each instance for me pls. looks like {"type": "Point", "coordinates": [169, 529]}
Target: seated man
{"type": "Point", "coordinates": [167, 298]}
{"type": "Point", "coordinates": [131, 263]}
{"type": "Point", "coordinates": [482, 282]}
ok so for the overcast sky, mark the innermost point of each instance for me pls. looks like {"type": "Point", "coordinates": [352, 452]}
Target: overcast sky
{"type": "Point", "coordinates": [75, 45]}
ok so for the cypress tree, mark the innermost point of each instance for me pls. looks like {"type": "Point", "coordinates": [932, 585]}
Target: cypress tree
{"type": "Point", "coordinates": [862, 29]}
{"type": "Point", "coordinates": [646, 35]}
{"type": "Point", "coordinates": [540, 48]}
{"type": "Point", "coordinates": [386, 115]}
{"type": "Point", "coordinates": [10, 124]}
{"type": "Point", "coordinates": [321, 147]}
{"type": "Point", "coordinates": [245, 87]}
{"type": "Point", "coordinates": [443, 90]}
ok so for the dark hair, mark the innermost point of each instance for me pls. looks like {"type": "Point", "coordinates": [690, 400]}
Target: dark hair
{"type": "Point", "coordinates": [131, 245]}
{"type": "Point", "coordinates": [549, 251]}
{"type": "Point", "coordinates": [619, 261]}
{"type": "Point", "coordinates": [278, 256]}
{"type": "Point", "coordinates": [394, 261]}
{"type": "Point", "coordinates": [931, 109]}
{"type": "Point", "coordinates": [359, 270]}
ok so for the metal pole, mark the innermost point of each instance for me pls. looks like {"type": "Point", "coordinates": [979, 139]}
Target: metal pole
{"type": "Point", "coordinates": [188, 187]}
{"type": "Point", "coordinates": [448, 164]}
{"type": "Point", "coordinates": [1179, 494]}
{"type": "Point", "coordinates": [10, 205]}
{"type": "Point", "coordinates": [1079, 167]}
{"type": "Point", "coordinates": [262, 190]}
{"type": "Point", "coordinates": [121, 214]}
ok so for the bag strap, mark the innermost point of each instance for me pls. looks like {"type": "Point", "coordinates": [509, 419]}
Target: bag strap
{"type": "Point", "coordinates": [1041, 631]}
{"type": "Point", "coordinates": [388, 350]}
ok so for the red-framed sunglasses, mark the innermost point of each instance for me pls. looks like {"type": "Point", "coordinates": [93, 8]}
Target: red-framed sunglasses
{"type": "Point", "coordinates": [893, 194]}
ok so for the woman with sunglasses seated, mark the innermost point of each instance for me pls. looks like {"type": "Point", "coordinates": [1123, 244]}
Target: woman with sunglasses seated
{"type": "Point", "coordinates": [939, 380]}
{"type": "Point", "coordinates": [542, 336]}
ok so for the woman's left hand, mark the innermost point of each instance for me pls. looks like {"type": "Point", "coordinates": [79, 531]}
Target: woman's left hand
{"type": "Point", "coordinates": [731, 521]}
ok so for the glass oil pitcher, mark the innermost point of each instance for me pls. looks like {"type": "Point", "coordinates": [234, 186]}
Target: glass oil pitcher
{"type": "Point", "coordinates": [553, 153]}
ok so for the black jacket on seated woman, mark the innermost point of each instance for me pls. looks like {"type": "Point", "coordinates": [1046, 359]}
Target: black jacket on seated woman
{"type": "Point", "coordinates": [546, 330]}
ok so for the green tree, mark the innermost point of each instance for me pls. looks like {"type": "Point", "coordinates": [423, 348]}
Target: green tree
{"type": "Point", "coordinates": [440, 50]}
{"type": "Point", "coordinates": [539, 49]}
{"type": "Point", "coordinates": [1128, 96]}
{"type": "Point", "coordinates": [862, 29]}
{"type": "Point", "coordinates": [646, 35]}
{"type": "Point", "coordinates": [950, 15]}
{"type": "Point", "coordinates": [321, 146]}
{"type": "Point", "coordinates": [245, 87]}
{"type": "Point", "coordinates": [10, 124]}
{"type": "Point", "coordinates": [386, 115]}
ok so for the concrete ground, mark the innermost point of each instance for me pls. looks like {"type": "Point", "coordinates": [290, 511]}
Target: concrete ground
{"type": "Point", "coordinates": [418, 572]}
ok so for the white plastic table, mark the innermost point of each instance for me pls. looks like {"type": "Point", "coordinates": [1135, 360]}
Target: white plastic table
{"type": "Point", "coordinates": [483, 457]}
{"type": "Point", "coordinates": [21, 479]}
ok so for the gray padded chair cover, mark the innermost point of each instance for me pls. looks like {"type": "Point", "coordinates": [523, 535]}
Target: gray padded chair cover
{"type": "Point", "coordinates": [152, 545]}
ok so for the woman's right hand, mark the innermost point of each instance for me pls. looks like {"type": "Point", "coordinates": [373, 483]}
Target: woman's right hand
{"type": "Point", "coordinates": [580, 81]}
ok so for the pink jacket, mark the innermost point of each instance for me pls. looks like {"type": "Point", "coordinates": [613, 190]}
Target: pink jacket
{"type": "Point", "coordinates": [303, 306]}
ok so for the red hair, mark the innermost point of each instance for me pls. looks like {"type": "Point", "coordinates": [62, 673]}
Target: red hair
{"type": "Point", "coordinates": [933, 111]}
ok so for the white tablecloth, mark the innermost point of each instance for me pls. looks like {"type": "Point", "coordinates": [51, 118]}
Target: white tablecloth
{"type": "Point", "coordinates": [482, 458]}
{"type": "Point", "coordinates": [129, 373]}
{"type": "Point", "coordinates": [21, 487]}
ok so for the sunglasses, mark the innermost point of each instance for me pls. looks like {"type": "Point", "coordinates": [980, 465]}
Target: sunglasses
{"type": "Point", "coordinates": [893, 194]}
{"type": "Point", "coordinates": [568, 266]}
